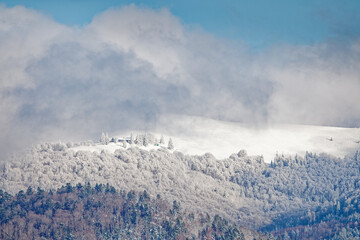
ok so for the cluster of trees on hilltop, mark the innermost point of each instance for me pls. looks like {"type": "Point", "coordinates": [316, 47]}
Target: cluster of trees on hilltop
{"type": "Point", "coordinates": [149, 139]}
{"type": "Point", "coordinates": [102, 212]}
{"type": "Point", "coordinates": [144, 139]}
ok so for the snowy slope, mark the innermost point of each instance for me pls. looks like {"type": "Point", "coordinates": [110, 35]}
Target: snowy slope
{"type": "Point", "coordinates": [196, 135]}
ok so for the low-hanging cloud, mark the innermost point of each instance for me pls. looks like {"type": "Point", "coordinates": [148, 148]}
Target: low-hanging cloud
{"type": "Point", "coordinates": [131, 65]}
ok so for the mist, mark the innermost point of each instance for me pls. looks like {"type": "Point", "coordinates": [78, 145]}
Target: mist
{"type": "Point", "coordinates": [131, 65]}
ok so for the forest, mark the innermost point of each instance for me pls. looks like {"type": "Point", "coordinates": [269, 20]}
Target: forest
{"type": "Point", "coordinates": [313, 197]}
{"type": "Point", "coordinates": [102, 212]}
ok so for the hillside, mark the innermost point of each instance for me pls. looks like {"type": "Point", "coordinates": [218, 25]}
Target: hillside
{"type": "Point", "coordinates": [240, 188]}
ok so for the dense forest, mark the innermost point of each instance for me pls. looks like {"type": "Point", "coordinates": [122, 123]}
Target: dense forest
{"type": "Point", "coordinates": [312, 197]}
{"type": "Point", "coordinates": [102, 212]}
{"type": "Point", "coordinates": [338, 221]}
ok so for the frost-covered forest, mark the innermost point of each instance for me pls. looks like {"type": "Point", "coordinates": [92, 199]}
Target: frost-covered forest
{"type": "Point", "coordinates": [102, 212]}
{"type": "Point", "coordinates": [242, 188]}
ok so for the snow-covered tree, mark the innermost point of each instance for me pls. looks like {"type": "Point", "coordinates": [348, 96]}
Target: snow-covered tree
{"type": "Point", "coordinates": [131, 139]}
{"type": "Point", "coordinates": [170, 144]}
{"type": "Point", "coordinates": [103, 138]}
{"type": "Point", "coordinates": [145, 140]}
{"type": "Point", "coordinates": [162, 141]}
{"type": "Point", "coordinates": [139, 140]}
{"type": "Point", "coordinates": [69, 144]}
{"type": "Point", "coordinates": [107, 139]}
{"type": "Point", "coordinates": [357, 156]}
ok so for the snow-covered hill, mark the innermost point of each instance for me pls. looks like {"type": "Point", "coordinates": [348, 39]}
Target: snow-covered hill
{"type": "Point", "coordinates": [196, 135]}
{"type": "Point", "coordinates": [241, 187]}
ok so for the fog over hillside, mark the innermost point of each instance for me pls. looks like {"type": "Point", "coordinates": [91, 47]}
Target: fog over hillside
{"type": "Point", "coordinates": [131, 65]}
{"type": "Point", "coordinates": [198, 135]}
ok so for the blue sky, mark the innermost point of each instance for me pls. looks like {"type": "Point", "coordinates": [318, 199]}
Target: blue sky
{"type": "Point", "coordinates": [260, 23]}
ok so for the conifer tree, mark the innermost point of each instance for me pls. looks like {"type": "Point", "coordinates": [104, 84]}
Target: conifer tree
{"type": "Point", "coordinates": [162, 141]}
{"type": "Point", "coordinates": [145, 140]}
{"type": "Point", "coordinates": [170, 144]}
{"type": "Point", "coordinates": [131, 139]}
{"type": "Point", "coordinates": [107, 139]}
{"type": "Point", "coordinates": [103, 138]}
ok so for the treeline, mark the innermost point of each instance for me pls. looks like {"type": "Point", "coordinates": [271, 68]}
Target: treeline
{"type": "Point", "coordinates": [102, 212]}
{"type": "Point", "coordinates": [142, 139]}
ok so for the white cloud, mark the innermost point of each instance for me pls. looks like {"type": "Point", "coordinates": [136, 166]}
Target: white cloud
{"type": "Point", "coordinates": [130, 65]}
{"type": "Point", "coordinates": [24, 36]}
{"type": "Point", "coordinates": [316, 85]}
{"type": "Point", "coordinates": [155, 36]}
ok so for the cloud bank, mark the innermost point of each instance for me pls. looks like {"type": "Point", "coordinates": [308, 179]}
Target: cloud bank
{"type": "Point", "coordinates": [131, 65]}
